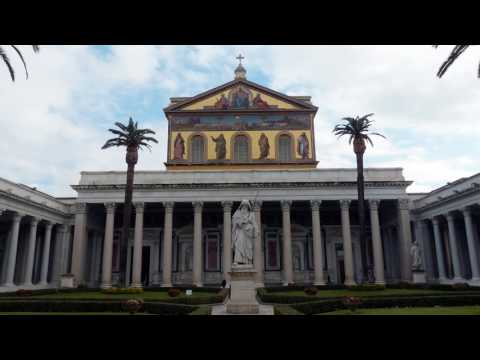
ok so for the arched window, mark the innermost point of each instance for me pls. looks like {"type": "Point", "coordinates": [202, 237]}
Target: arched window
{"type": "Point", "coordinates": [240, 148]}
{"type": "Point", "coordinates": [285, 148]}
{"type": "Point", "coordinates": [197, 148]}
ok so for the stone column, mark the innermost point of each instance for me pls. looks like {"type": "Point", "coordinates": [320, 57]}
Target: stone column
{"type": "Point", "coordinates": [137, 246]}
{"type": "Point", "coordinates": [439, 250]}
{"type": "Point", "coordinates": [405, 239]}
{"type": "Point", "coordinates": [108, 246]}
{"type": "Point", "coordinates": [197, 244]}
{"type": "Point", "coordinates": [58, 255]}
{"type": "Point", "coordinates": [317, 243]}
{"type": "Point", "coordinates": [258, 256]}
{"type": "Point", "coordinates": [457, 276]}
{"type": "Point", "coordinates": [287, 243]}
{"type": "Point", "coordinates": [376, 243]}
{"type": "Point", "coordinates": [31, 252]}
{"type": "Point", "coordinates": [227, 239]}
{"type": "Point", "coordinates": [46, 254]}
{"type": "Point", "coordinates": [79, 243]}
{"type": "Point", "coordinates": [471, 244]}
{"type": "Point", "coordinates": [347, 243]}
{"type": "Point", "coordinates": [167, 244]}
{"type": "Point", "coordinates": [12, 251]}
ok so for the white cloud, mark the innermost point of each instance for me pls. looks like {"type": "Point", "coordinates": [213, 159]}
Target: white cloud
{"type": "Point", "coordinates": [55, 122]}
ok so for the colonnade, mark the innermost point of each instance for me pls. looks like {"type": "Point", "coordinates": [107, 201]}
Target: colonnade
{"type": "Point", "coordinates": [45, 254]}
{"type": "Point", "coordinates": [453, 244]}
{"type": "Point", "coordinates": [287, 267]}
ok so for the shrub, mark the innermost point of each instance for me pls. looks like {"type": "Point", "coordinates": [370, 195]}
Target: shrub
{"type": "Point", "coordinates": [174, 292]}
{"type": "Point", "coordinates": [34, 305]}
{"type": "Point", "coordinates": [23, 292]}
{"type": "Point", "coordinates": [311, 290]}
{"type": "Point", "coordinates": [285, 310]}
{"type": "Point", "coordinates": [351, 302]}
{"type": "Point", "coordinates": [132, 305]}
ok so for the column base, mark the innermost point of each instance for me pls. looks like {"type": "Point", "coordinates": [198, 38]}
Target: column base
{"type": "Point", "coordinates": [136, 286]}
{"type": "Point", "coordinates": [458, 280]}
{"type": "Point", "coordinates": [106, 286]}
{"type": "Point", "coordinates": [167, 285]}
{"type": "Point", "coordinates": [9, 285]}
{"type": "Point", "coordinates": [44, 283]}
{"type": "Point", "coordinates": [198, 284]}
{"type": "Point", "coordinates": [259, 285]}
{"type": "Point", "coordinates": [350, 283]}
{"type": "Point", "coordinates": [27, 284]}
{"type": "Point", "coordinates": [380, 282]}
{"type": "Point", "coordinates": [320, 283]}
{"type": "Point", "coordinates": [474, 282]}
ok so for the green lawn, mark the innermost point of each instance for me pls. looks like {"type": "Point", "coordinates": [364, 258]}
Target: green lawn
{"type": "Point", "coordinates": [69, 313]}
{"type": "Point", "coordinates": [436, 310]}
{"type": "Point", "coordinates": [369, 293]}
{"type": "Point", "coordinates": [94, 295]}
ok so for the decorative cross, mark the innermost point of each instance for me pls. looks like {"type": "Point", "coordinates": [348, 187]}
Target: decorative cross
{"type": "Point", "coordinates": [240, 58]}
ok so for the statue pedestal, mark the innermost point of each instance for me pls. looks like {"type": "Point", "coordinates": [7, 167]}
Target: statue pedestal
{"type": "Point", "coordinates": [419, 277]}
{"type": "Point", "coordinates": [242, 290]}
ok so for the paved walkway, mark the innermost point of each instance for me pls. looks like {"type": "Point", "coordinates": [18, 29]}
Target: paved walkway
{"type": "Point", "coordinates": [222, 310]}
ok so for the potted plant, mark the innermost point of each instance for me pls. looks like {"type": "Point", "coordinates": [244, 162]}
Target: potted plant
{"type": "Point", "coordinates": [132, 305]}
{"type": "Point", "coordinates": [351, 302]}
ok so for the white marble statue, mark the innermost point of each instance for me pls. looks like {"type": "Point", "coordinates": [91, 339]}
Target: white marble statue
{"type": "Point", "coordinates": [416, 257]}
{"type": "Point", "coordinates": [244, 233]}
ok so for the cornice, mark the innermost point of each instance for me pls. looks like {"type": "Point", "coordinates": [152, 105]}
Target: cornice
{"type": "Point", "coordinates": [29, 202]}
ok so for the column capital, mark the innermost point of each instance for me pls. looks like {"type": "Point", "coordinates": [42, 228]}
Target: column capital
{"type": "Point", "coordinates": [197, 205]}
{"type": "Point", "coordinates": [286, 205]}
{"type": "Point", "coordinates": [467, 211]}
{"type": "Point", "coordinates": [139, 207]}
{"type": "Point", "coordinates": [449, 216]}
{"type": "Point", "coordinates": [168, 205]}
{"type": "Point", "coordinates": [345, 204]}
{"type": "Point", "coordinates": [17, 216]}
{"type": "Point", "coordinates": [404, 204]}
{"type": "Point", "coordinates": [373, 204]}
{"type": "Point", "coordinates": [227, 206]}
{"type": "Point", "coordinates": [62, 228]}
{"type": "Point", "coordinates": [110, 207]}
{"type": "Point", "coordinates": [257, 205]}
{"type": "Point", "coordinates": [435, 220]}
{"type": "Point", "coordinates": [48, 224]}
{"type": "Point", "coordinates": [315, 204]}
{"type": "Point", "coordinates": [80, 208]}
{"type": "Point", "coordinates": [34, 221]}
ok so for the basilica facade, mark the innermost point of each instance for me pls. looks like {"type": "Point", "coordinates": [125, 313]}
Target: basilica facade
{"type": "Point", "coordinates": [234, 142]}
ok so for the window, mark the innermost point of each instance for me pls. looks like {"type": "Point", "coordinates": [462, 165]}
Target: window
{"type": "Point", "coordinates": [272, 250]}
{"type": "Point", "coordinates": [240, 148]}
{"type": "Point", "coordinates": [285, 148]}
{"type": "Point", "coordinates": [197, 148]}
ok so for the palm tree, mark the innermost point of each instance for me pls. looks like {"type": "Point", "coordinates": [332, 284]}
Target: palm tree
{"type": "Point", "coordinates": [456, 52]}
{"type": "Point", "coordinates": [358, 130]}
{"type": "Point", "coordinates": [132, 138]}
{"type": "Point", "coordinates": [6, 59]}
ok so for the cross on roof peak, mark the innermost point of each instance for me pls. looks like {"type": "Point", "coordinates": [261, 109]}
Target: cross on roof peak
{"type": "Point", "coordinates": [240, 58]}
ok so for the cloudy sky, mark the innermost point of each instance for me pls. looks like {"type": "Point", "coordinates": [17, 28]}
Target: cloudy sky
{"type": "Point", "coordinates": [54, 123]}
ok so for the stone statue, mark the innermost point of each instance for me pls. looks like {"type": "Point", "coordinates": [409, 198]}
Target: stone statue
{"type": "Point", "coordinates": [220, 147]}
{"type": "Point", "coordinates": [264, 146]}
{"type": "Point", "coordinates": [179, 147]}
{"type": "Point", "coordinates": [244, 233]}
{"type": "Point", "coordinates": [303, 146]}
{"type": "Point", "coordinates": [416, 257]}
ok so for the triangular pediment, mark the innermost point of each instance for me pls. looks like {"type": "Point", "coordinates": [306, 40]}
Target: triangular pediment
{"type": "Point", "coordinates": [240, 94]}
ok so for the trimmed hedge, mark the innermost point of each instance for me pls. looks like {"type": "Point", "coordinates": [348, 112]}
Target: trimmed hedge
{"type": "Point", "coordinates": [309, 308]}
{"type": "Point", "coordinates": [168, 309]}
{"type": "Point", "coordinates": [202, 310]}
{"type": "Point", "coordinates": [367, 287]}
{"type": "Point", "coordinates": [59, 306]}
{"type": "Point", "coordinates": [285, 310]}
{"type": "Point", "coordinates": [185, 287]}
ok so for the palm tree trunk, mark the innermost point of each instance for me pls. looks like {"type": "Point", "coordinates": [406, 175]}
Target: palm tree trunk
{"type": "Point", "coordinates": [127, 211]}
{"type": "Point", "coordinates": [361, 214]}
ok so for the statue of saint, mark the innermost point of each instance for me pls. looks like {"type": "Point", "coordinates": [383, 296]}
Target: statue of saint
{"type": "Point", "coordinates": [416, 257]}
{"type": "Point", "coordinates": [178, 147]}
{"type": "Point", "coordinates": [303, 146]}
{"type": "Point", "coordinates": [244, 232]}
{"type": "Point", "coordinates": [264, 146]}
{"type": "Point", "coordinates": [220, 147]}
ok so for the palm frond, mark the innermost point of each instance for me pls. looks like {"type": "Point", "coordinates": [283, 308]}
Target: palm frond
{"type": "Point", "coordinates": [21, 58]}
{"type": "Point", "coordinates": [456, 52]}
{"type": "Point", "coordinates": [6, 60]}
{"type": "Point", "coordinates": [358, 127]}
{"type": "Point", "coordinates": [36, 48]}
